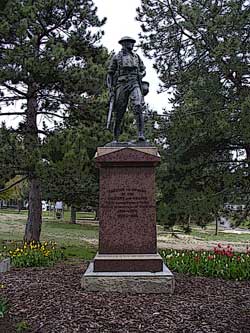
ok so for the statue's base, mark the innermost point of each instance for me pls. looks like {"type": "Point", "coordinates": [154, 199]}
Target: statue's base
{"type": "Point", "coordinates": [129, 144]}
{"type": "Point", "coordinates": [128, 282]}
{"type": "Point", "coordinates": [128, 263]}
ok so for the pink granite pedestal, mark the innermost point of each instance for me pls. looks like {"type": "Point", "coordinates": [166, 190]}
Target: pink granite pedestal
{"type": "Point", "coordinates": [127, 218]}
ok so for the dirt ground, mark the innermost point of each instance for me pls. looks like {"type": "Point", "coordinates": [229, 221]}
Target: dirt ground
{"type": "Point", "coordinates": [50, 300]}
{"type": "Point", "coordinates": [12, 217]}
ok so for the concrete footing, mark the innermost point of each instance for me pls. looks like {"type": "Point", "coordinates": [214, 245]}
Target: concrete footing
{"type": "Point", "coordinates": [128, 282]}
{"type": "Point", "coordinates": [5, 265]}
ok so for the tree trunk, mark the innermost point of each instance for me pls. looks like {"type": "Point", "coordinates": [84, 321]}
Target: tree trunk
{"type": "Point", "coordinates": [34, 222]}
{"type": "Point", "coordinates": [247, 149]}
{"type": "Point", "coordinates": [31, 141]}
{"type": "Point", "coordinates": [73, 215]}
{"type": "Point", "coordinates": [216, 224]}
{"type": "Point", "coordinates": [97, 213]}
{"type": "Point", "coordinates": [19, 205]}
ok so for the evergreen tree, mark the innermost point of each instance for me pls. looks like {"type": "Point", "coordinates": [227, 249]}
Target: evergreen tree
{"type": "Point", "coordinates": [69, 173]}
{"type": "Point", "coordinates": [12, 155]}
{"type": "Point", "coordinates": [201, 51]}
{"type": "Point", "coordinates": [52, 66]}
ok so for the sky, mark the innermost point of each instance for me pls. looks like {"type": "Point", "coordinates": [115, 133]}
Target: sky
{"type": "Point", "coordinates": [121, 22]}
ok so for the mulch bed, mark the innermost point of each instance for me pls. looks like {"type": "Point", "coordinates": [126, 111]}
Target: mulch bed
{"type": "Point", "coordinates": [51, 300]}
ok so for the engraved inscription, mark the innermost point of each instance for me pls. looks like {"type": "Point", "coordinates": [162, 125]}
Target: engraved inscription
{"type": "Point", "coordinates": [126, 202]}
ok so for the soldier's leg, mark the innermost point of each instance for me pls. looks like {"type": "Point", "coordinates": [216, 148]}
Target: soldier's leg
{"type": "Point", "coordinates": [121, 102]}
{"type": "Point", "coordinates": [136, 101]}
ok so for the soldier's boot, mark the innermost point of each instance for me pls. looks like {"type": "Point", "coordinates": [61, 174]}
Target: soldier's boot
{"type": "Point", "coordinates": [140, 123]}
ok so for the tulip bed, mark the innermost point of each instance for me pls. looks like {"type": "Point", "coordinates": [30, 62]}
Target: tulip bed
{"type": "Point", "coordinates": [222, 262]}
{"type": "Point", "coordinates": [34, 254]}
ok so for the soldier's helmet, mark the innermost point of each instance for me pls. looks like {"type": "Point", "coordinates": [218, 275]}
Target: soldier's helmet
{"type": "Point", "coordinates": [125, 38]}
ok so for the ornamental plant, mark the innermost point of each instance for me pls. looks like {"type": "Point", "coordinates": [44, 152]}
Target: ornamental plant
{"type": "Point", "coordinates": [4, 306]}
{"type": "Point", "coordinates": [35, 254]}
{"type": "Point", "coordinates": [222, 262]}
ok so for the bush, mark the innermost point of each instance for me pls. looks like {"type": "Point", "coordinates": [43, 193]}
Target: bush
{"type": "Point", "coordinates": [35, 255]}
{"type": "Point", "coordinates": [223, 262]}
{"type": "Point", "coordinates": [3, 307]}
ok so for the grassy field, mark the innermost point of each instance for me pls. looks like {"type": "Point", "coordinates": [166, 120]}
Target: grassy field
{"type": "Point", "coordinates": [77, 240]}
{"type": "Point", "coordinates": [12, 227]}
{"type": "Point", "coordinates": [81, 239]}
{"type": "Point", "coordinates": [50, 214]}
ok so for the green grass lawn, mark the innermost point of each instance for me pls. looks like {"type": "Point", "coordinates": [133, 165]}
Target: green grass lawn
{"type": "Point", "coordinates": [81, 239]}
{"type": "Point", "coordinates": [69, 233]}
{"type": "Point", "coordinates": [62, 233]}
{"type": "Point", "coordinates": [50, 214]}
{"type": "Point", "coordinates": [12, 226]}
{"type": "Point", "coordinates": [77, 240]}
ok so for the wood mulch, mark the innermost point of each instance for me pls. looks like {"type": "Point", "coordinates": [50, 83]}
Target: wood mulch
{"type": "Point", "coordinates": [51, 300]}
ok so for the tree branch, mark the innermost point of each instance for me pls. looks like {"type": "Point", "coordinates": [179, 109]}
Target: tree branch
{"type": "Point", "coordinates": [52, 114]}
{"type": "Point", "coordinates": [12, 185]}
{"type": "Point", "coordinates": [12, 114]}
{"type": "Point", "coordinates": [56, 26]}
{"type": "Point", "coordinates": [177, 23]}
{"type": "Point", "coordinates": [43, 132]}
{"type": "Point", "coordinates": [10, 99]}
{"type": "Point", "coordinates": [14, 89]}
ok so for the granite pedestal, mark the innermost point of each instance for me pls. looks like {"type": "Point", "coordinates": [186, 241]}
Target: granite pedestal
{"type": "Point", "coordinates": [127, 260]}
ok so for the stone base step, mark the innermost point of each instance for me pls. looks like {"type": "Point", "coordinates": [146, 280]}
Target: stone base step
{"type": "Point", "coordinates": [128, 282]}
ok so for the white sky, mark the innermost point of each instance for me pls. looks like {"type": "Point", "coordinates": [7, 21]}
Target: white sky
{"type": "Point", "coordinates": [121, 22]}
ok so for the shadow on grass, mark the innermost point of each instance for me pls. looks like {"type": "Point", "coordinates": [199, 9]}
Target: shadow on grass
{"type": "Point", "coordinates": [71, 226]}
{"type": "Point", "coordinates": [84, 252]}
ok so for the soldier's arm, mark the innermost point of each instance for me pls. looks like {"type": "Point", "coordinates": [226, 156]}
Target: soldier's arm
{"type": "Point", "coordinates": [112, 68]}
{"type": "Point", "coordinates": [142, 68]}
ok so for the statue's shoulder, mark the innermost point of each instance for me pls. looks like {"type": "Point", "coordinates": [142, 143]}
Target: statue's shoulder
{"type": "Point", "coordinates": [119, 58]}
{"type": "Point", "coordinates": [112, 61]}
{"type": "Point", "coordinates": [119, 55]}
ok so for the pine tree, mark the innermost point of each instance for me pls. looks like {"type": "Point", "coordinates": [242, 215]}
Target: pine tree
{"type": "Point", "coordinates": [201, 51]}
{"type": "Point", "coordinates": [68, 171]}
{"type": "Point", "coordinates": [52, 66]}
{"type": "Point", "coordinates": [12, 155]}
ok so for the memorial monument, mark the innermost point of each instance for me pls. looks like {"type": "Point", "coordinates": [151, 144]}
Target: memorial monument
{"type": "Point", "coordinates": [127, 260]}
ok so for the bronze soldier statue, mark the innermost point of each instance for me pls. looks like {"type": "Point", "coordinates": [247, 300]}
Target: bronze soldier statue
{"type": "Point", "coordinates": [124, 81]}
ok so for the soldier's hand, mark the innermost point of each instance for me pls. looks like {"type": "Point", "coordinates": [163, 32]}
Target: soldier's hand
{"type": "Point", "coordinates": [142, 74]}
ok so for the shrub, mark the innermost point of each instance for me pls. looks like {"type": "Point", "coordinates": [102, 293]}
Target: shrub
{"type": "Point", "coordinates": [3, 307]}
{"type": "Point", "coordinates": [35, 255]}
{"type": "Point", "coordinates": [222, 262]}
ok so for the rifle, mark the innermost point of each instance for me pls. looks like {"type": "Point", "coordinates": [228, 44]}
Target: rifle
{"type": "Point", "coordinates": [111, 106]}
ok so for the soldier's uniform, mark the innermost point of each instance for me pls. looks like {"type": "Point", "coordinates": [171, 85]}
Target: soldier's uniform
{"type": "Point", "coordinates": [126, 69]}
